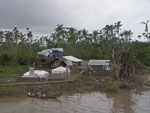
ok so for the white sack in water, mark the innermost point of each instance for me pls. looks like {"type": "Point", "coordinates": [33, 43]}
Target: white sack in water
{"type": "Point", "coordinates": [37, 73]}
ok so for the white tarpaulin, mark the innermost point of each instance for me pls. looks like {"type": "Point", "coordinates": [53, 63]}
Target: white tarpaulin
{"type": "Point", "coordinates": [61, 72]}
{"type": "Point", "coordinates": [37, 73]}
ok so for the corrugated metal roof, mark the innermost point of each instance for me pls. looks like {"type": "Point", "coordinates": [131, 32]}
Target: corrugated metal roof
{"type": "Point", "coordinates": [72, 58]}
{"type": "Point", "coordinates": [57, 49]}
{"type": "Point", "coordinates": [99, 62]}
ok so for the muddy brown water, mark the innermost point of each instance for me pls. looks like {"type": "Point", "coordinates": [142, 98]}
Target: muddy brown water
{"type": "Point", "coordinates": [126, 101]}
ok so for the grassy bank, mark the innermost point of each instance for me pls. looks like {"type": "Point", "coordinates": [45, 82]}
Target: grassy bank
{"type": "Point", "coordinates": [7, 72]}
{"type": "Point", "coordinates": [13, 90]}
{"type": "Point", "coordinates": [12, 72]}
{"type": "Point", "coordinates": [89, 81]}
{"type": "Point", "coordinates": [84, 83]}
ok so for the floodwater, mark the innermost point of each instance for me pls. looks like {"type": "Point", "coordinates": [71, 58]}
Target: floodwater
{"type": "Point", "coordinates": [96, 102]}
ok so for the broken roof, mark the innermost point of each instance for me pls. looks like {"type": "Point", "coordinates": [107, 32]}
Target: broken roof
{"type": "Point", "coordinates": [72, 58]}
{"type": "Point", "coordinates": [99, 62]}
{"type": "Point", "coordinates": [45, 52]}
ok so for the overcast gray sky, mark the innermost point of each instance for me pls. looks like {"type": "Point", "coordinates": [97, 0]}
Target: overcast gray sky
{"type": "Point", "coordinates": [41, 16]}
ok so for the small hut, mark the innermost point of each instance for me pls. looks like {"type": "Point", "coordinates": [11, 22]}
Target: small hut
{"type": "Point", "coordinates": [72, 61]}
{"type": "Point", "coordinates": [99, 65]}
{"type": "Point", "coordinates": [61, 72]}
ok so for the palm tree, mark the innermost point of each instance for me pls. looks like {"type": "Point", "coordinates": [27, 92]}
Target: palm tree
{"type": "Point", "coordinates": [1, 37]}
{"type": "Point", "coordinates": [146, 25]}
{"type": "Point", "coordinates": [22, 41]}
{"type": "Point", "coordinates": [79, 36]}
{"type": "Point", "coordinates": [72, 36]}
{"type": "Point", "coordinates": [117, 26]}
{"type": "Point", "coordinates": [139, 36]}
{"type": "Point", "coordinates": [146, 29]}
{"type": "Point", "coordinates": [130, 33]}
{"type": "Point", "coordinates": [16, 35]}
{"type": "Point", "coordinates": [95, 36]}
{"type": "Point", "coordinates": [29, 36]}
{"type": "Point", "coordinates": [127, 35]}
{"type": "Point", "coordinates": [59, 35]}
{"type": "Point", "coordinates": [8, 40]}
{"type": "Point", "coordinates": [1, 40]}
{"type": "Point", "coordinates": [86, 37]}
{"type": "Point", "coordinates": [109, 31]}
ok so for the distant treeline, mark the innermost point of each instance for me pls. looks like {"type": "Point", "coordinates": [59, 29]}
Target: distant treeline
{"type": "Point", "coordinates": [17, 48]}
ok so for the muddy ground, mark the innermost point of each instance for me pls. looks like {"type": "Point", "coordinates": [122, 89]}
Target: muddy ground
{"type": "Point", "coordinates": [85, 83]}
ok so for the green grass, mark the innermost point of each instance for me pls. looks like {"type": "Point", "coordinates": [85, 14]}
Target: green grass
{"type": "Point", "coordinates": [112, 87]}
{"type": "Point", "coordinates": [13, 90]}
{"type": "Point", "coordinates": [6, 76]}
{"type": "Point", "coordinates": [10, 71]}
{"type": "Point", "coordinates": [7, 72]}
{"type": "Point", "coordinates": [13, 69]}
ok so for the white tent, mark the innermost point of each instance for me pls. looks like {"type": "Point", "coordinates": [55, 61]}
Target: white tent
{"type": "Point", "coordinates": [36, 73]}
{"type": "Point", "coordinates": [61, 72]}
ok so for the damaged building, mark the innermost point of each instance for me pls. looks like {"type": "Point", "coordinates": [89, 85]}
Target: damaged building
{"type": "Point", "coordinates": [49, 57]}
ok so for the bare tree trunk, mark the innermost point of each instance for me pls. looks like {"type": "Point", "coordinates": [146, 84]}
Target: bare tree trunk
{"type": "Point", "coordinates": [124, 69]}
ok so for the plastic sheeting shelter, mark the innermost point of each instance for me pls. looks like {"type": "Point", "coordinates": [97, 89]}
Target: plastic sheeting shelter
{"type": "Point", "coordinates": [72, 61]}
{"type": "Point", "coordinates": [61, 72]}
{"type": "Point", "coordinates": [99, 65]}
{"type": "Point", "coordinates": [36, 73]}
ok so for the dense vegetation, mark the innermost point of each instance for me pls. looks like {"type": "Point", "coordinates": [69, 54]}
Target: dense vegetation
{"type": "Point", "coordinates": [111, 42]}
{"type": "Point", "coordinates": [18, 48]}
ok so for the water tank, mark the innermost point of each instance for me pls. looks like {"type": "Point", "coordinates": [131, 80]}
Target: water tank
{"type": "Point", "coordinates": [31, 71]}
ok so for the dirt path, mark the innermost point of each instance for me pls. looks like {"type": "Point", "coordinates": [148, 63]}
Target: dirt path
{"type": "Point", "coordinates": [38, 83]}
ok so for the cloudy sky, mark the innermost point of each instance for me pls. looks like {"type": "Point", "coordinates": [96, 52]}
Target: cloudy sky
{"type": "Point", "coordinates": [41, 16]}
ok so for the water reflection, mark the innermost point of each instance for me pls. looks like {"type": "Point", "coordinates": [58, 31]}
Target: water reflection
{"type": "Point", "coordinates": [142, 101]}
{"type": "Point", "coordinates": [12, 100]}
{"type": "Point", "coordinates": [124, 102]}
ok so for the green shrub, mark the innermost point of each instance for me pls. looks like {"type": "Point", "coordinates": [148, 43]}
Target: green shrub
{"type": "Point", "coordinates": [22, 60]}
{"type": "Point", "coordinates": [112, 87]}
{"type": "Point", "coordinates": [5, 59]}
